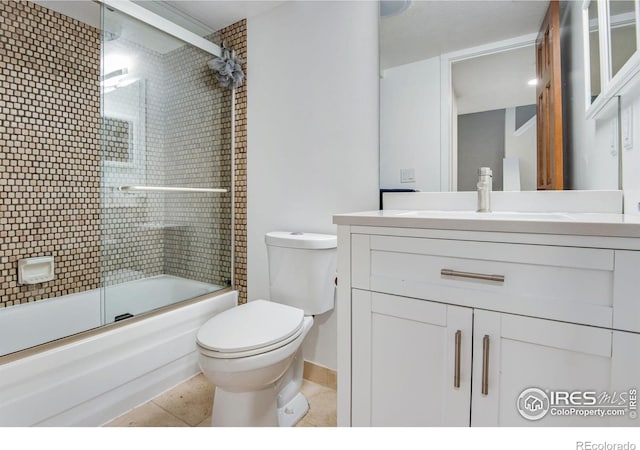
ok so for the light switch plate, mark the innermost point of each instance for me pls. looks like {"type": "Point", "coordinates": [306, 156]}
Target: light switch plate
{"type": "Point", "coordinates": [407, 176]}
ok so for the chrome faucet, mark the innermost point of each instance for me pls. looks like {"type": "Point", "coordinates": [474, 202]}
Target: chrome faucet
{"type": "Point", "coordinates": [485, 185]}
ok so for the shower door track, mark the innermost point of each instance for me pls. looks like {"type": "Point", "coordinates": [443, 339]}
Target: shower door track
{"type": "Point", "coordinates": [159, 22]}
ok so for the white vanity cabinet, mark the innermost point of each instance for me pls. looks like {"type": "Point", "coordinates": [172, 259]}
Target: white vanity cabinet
{"type": "Point", "coordinates": [399, 381]}
{"type": "Point", "coordinates": [448, 328]}
{"type": "Point", "coordinates": [412, 363]}
{"type": "Point", "coordinates": [526, 352]}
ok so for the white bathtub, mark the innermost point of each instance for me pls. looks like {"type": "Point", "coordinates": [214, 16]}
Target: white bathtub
{"type": "Point", "coordinates": [92, 380]}
{"type": "Point", "coordinates": [137, 297]}
{"type": "Point", "coordinates": [31, 324]}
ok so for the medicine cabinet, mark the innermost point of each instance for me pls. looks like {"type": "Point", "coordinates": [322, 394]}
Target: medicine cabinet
{"type": "Point", "coordinates": [611, 57]}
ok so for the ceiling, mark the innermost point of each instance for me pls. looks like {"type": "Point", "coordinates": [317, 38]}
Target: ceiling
{"type": "Point", "coordinates": [219, 14]}
{"type": "Point", "coordinates": [426, 29]}
{"type": "Point", "coordinates": [495, 81]}
{"type": "Point", "coordinates": [200, 17]}
{"type": "Point", "coordinates": [431, 28]}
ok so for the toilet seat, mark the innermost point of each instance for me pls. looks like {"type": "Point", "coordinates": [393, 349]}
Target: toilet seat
{"type": "Point", "coordinates": [250, 329]}
{"type": "Point", "coordinates": [254, 352]}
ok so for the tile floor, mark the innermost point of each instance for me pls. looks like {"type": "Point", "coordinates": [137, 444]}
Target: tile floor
{"type": "Point", "coordinates": [189, 405]}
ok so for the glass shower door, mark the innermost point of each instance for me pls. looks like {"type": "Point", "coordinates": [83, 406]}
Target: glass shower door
{"type": "Point", "coordinates": [166, 152]}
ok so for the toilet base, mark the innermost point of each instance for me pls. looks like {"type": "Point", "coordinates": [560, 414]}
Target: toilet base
{"type": "Point", "coordinates": [245, 409]}
{"type": "Point", "coordinates": [291, 413]}
{"type": "Point", "coordinates": [278, 403]}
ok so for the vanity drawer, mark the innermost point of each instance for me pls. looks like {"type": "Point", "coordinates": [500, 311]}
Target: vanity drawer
{"type": "Point", "coordinates": [562, 283]}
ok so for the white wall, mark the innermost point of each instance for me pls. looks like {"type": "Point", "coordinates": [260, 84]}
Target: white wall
{"type": "Point", "coordinates": [521, 144]}
{"type": "Point", "coordinates": [593, 163]}
{"type": "Point", "coordinates": [454, 143]}
{"type": "Point", "coordinates": [631, 155]}
{"type": "Point", "coordinates": [312, 130]}
{"type": "Point", "coordinates": [597, 149]}
{"type": "Point", "coordinates": [410, 125]}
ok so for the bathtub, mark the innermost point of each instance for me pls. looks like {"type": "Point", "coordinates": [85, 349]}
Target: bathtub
{"type": "Point", "coordinates": [137, 297]}
{"type": "Point", "coordinates": [30, 324]}
{"type": "Point", "coordinates": [91, 380]}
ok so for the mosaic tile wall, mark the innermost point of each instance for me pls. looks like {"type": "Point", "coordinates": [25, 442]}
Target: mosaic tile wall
{"type": "Point", "coordinates": [235, 37]}
{"type": "Point", "coordinates": [197, 243]}
{"type": "Point", "coordinates": [49, 152]}
{"type": "Point", "coordinates": [132, 234]}
{"type": "Point", "coordinates": [116, 139]}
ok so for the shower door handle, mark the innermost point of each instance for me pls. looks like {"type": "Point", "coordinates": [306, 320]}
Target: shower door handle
{"type": "Point", "coordinates": [167, 189]}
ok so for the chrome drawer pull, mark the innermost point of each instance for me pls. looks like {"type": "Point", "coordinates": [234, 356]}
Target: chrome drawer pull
{"type": "Point", "coordinates": [456, 360]}
{"type": "Point", "coordinates": [485, 365]}
{"type": "Point", "coordinates": [475, 276]}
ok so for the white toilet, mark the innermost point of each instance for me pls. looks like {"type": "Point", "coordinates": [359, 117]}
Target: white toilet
{"type": "Point", "coordinates": [252, 353]}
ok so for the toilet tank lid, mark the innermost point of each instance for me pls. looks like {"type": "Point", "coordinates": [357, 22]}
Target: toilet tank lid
{"type": "Point", "coordinates": [296, 239]}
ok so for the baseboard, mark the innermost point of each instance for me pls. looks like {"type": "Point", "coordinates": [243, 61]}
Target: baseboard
{"type": "Point", "coordinates": [321, 375]}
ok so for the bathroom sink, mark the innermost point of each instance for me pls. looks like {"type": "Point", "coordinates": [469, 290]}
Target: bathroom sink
{"type": "Point", "coordinates": [500, 215]}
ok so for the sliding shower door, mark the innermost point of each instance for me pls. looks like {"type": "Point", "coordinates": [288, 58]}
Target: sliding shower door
{"type": "Point", "coordinates": [166, 153]}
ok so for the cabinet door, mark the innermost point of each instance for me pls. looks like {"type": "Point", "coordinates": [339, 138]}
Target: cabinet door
{"type": "Point", "coordinates": [411, 362]}
{"type": "Point", "coordinates": [514, 353]}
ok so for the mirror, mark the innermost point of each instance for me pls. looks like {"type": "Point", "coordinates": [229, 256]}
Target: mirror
{"type": "Point", "coordinates": [592, 24]}
{"type": "Point", "coordinates": [495, 118]}
{"type": "Point", "coordinates": [458, 89]}
{"type": "Point", "coordinates": [622, 32]}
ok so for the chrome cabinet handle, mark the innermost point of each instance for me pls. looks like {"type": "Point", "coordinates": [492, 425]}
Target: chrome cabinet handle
{"type": "Point", "coordinates": [485, 365]}
{"type": "Point", "coordinates": [472, 275]}
{"type": "Point", "coordinates": [456, 361]}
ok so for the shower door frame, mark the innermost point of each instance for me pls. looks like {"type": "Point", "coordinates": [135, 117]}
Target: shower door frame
{"type": "Point", "coordinates": [150, 18]}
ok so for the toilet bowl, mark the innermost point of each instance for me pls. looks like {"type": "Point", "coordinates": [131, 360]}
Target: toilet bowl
{"type": "Point", "coordinates": [252, 353]}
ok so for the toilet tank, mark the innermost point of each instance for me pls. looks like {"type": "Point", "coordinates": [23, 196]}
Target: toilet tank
{"type": "Point", "coordinates": [302, 270]}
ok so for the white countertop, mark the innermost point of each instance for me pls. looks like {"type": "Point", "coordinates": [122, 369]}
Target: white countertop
{"type": "Point", "coordinates": [582, 224]}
